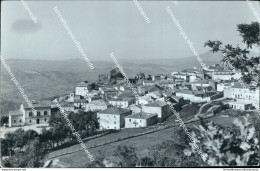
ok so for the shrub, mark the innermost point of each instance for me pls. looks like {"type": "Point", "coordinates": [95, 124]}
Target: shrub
{"type": "Point", "coordinates": [224, 147]}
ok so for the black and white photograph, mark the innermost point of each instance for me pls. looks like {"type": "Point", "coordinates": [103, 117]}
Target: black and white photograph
{"type": "Point", "coordinates": [130, 84]}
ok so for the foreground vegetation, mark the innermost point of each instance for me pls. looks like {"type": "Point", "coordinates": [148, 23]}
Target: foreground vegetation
{"type": "Point", "coordinates": [28, 148]}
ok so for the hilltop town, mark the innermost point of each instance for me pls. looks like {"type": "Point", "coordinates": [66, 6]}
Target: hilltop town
{"type": "Point", "coordinates": [117, 108]}
{"type": "Point", "coordinates": [107, 109]}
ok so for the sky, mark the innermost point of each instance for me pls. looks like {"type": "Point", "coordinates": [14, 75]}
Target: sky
{"type": "Point", "coordinates": [103, 27]}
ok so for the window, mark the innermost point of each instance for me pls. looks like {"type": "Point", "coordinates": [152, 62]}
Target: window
{"type": "Point", "coordinates": [38, 113]}
{"type": "Point", "coordinates": [20, 120]}
{"type": "Point", "coordinates": [45, 113]}
{"type": "Point", "coordinates": [45, 119]}
{"type": "Point", "coordinates": [14, 121]}
{"type": "Point", "coordinates": [140, 121]}
{"type": "Point", "coordinates": [115, 122]}
{"type": "Point", "coordinates": [129, 120]}
{"type": "Point", "coordinates": [30, 121]}
{"type": "Point", "coordinates": [30, 113]}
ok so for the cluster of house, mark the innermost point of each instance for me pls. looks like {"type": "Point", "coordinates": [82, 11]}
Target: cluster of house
{"type": "Point", "coordinates": [117, 107]}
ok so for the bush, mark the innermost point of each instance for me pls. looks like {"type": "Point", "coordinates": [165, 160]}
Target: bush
{"type": "Point", "coordinates": [224, 147]}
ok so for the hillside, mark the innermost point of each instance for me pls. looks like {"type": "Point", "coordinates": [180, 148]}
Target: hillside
{"type": "Point", "coordinates": [46, 79]}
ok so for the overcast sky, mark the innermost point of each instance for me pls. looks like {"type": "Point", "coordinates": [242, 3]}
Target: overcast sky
{"type": "Point", "coordinates": [102, 27]}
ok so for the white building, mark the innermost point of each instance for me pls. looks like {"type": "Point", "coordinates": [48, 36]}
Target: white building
{"type": "Point", "coordinates": [67, 107]}
{"type": "Point", "coordinates": [148, 83]}
{"type": "Point", "coordinates": [96, 105]}
{"type": "Point", "coordinates": [200, 83]}
{"type": "Point", "coordinates": [238, 92]}
{"type": "Point", "coordinates": [240, 105]}
{"type": "Point", "coordinates": [112, 118]}
{"type": "Point", "coordinates": [158, 107]}
{"type": "Point", "coordinates": [17, 117]}
{"type": "Point", "coordinates": [82, 89]}
{"type": "Point", "coordinates": [121, 102]}
{"type": "Point", "coordinates": [222, 86]}
{"type": "Point", "coordinates": [25, 116]}
{"type": "Point", "coordinates": [222, 75]}
{"type": "Point", "coordinates": [140, 120]}
{"type": "Point", "coordinates": [80, 103]}
{"type": "Point", "coordinates": [196, 96]}
{"type": "Point", "coordinates": [180, 75]}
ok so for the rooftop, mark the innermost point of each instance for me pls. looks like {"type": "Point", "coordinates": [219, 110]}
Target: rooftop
{"type": "Point", "coordinates": [16, 112]}
{"type": "Point", "coordinates": [237, 85]}
{"type": "Point", "coordinates": [80, 101]}
{"type": "Point", "coordinates": [180, 74]}
{"type": "Point", "coordinates": [122, 99]}
{"type": "Point", "coordinates": [82, 84]}
{"type": "Point", "coordinates": [114, 111]}
{"type": "Point", "coordinates": [141, 115]}
{"type": "Point", "coordinates": [153, 88]}
{"type": "Point", "coordinates": [201, 82]}
{"type": "Point", "coordinates": [67, 104]}
{"type": "Point", "coordinates": [185, 92]}
{"type": "Point", "coordinates": [148, 81]}
{"type": "Point", "coordinates": [99, 103]}
{"type": "Point", "coordinates": [41, 104]}
{"type": "Point", "coordinates": [156, 104]}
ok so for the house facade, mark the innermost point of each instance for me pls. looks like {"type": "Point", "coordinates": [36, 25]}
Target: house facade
{"type": "Point", "coordinates": [121, 102]}
{"type": "Point", "coordinates": [238, 92]}
{"type": "Point", "coordinates": [112, 118]}
{"type": "Point", "coordinates": [160, 108]}
{"type": "Point", "coordinates": [96, 105]}
{"type": "Point", "coordinates": [43, 109]}
{"type": "Point", "coordinates": [17, 117]}
{"type": "Point", "coordinates": [140, 120]}
{"type": "Point", "coordinates": [82, 89]}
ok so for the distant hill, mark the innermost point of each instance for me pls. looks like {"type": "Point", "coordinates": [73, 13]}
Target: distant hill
{"type": "Point", "coordinates": [45, 79]}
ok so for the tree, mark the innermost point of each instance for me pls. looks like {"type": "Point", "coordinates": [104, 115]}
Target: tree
{"type": "Point", "coordinates": [225, 147]}
{"type": "Point", "coordinates": [4, 120]}
{"type": "Point", "coordinates": [239, 57]}
{"type": "Point", "coordinates": [85, 123]}
{"type": "Point", "coordinates": [126, 156]}
{"type": "Point", "coordinates": [31, 156]}
{"type": "Point", "coordinates": [149, 77]}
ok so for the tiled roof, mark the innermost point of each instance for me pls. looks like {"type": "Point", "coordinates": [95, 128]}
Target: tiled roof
{"type": "Point", "coordinates": [82, 84]}
{"type": "Point", "coordinates": [201, 82]}
{"type": "Point", "coordinates": [148, 81]}
{"type": "Point", "coordinates": [237, 85]}
{"type": "Point", "coordinates": [185, 92]}
{"type": "Point", "coordinates": [122, 99]}
{"type": "Point", "coordinates": [99, 103]}
{"type": "Point", "coordinates": [114, 110]}
{"type": "Point", "coordinates": [156, 104]}
{"type": "Point", "coordinates": [141, 115]}
{"type": "Point", "coordinates": [80, 101]}
{"type": "Point", "coordinates": [153, 88]}
{"type": "Point", "coordinates": [15, 112]}
{"type": "Point", "coordinates": [67, 104]}
{"type": "Point", "coordinates": [109, 90]}
{"type": "Point", "coordinates": [41, 104]}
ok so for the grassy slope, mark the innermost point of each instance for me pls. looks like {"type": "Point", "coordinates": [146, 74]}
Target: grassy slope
{"type": "Point", "coordinates": [141, 143]}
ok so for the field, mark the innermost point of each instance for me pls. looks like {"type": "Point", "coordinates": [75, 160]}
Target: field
{"type": "Point", "coordinates": [141, 143]}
